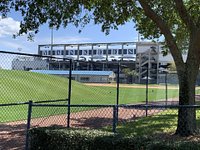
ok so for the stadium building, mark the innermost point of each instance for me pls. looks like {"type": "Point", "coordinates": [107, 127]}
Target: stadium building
{"type": "Point", "coordinates": [144, 57]}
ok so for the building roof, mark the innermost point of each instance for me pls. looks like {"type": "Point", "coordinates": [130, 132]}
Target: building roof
{"type": "Point", "coordinates": [75, 72]}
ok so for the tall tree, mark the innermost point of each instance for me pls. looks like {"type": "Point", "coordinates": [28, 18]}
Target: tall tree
{"type": "Point", "coordinates": [130, 74]}
{"type": "Point", "coordinates": [178, 21]}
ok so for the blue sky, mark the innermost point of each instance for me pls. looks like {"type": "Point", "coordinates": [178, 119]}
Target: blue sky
{"type": "Point", "coordinates": [91, 33]}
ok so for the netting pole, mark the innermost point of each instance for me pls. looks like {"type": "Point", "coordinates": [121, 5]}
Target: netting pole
{"type": "Point", "coordinates": [28, 124]}
{"type": "Point", "coordinates": [69, 93]}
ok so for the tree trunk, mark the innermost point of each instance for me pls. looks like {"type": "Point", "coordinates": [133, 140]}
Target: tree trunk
{"type": "Point", "coordinates": [187, 116]}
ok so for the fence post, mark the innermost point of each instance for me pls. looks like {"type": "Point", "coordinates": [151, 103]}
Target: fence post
{"type": "Point", "coordinates": [147, 88]}
{"type": "Point", "coordinates": [115, 107]}
{"type": "Point", "coordinates": [166, 94]}
{"type": "Point", "coordinates": [117, 98]}
{"type": "Point", "coordinates": [28, 124]}
{"type": "Point", "coordinates": [69, 93]}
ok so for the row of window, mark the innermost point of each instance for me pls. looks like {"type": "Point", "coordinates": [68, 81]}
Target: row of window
{"type": "Point", "coordinates": [89, 52]}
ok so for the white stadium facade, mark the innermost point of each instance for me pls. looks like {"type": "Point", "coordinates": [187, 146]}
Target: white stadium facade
{"type": "Point", "coordinates": [145, 58]}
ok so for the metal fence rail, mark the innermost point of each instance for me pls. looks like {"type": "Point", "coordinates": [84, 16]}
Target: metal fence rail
{"type": "Point", "coordinates": [114, 112]}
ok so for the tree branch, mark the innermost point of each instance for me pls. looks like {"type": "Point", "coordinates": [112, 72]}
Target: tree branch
{"type": "Point", "coordinates": [186, 18]}
{"type": "Point", "coordinates": [176, 53]}
{"type": "Point", "coordinates": [194, 48]}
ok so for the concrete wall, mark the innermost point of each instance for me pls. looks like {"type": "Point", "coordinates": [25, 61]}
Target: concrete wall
{"type": "Point", "coordinates": [29, 65]}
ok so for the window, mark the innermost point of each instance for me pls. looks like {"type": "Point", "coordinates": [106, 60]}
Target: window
{"type": "Point", "coordinates": [76, 52]}
{"type": "Point", "coordinates": [85, 78]}
{"type": "Point", "coordinates": [104, 79]}
{"type": "Point", "coordinates": [130, 51]}
{"type": "Point", "coordinates": [135, 51]}
{"type": "Point", "coordinates": [62, 52]}
{"type": "Point", "coordinates": [85, 52]}
{"type": "Point", "coordinates": [94, 52]}
{"type": "Point", "coordinates": [67, 52]}
{"type": "Point", "coordinates": [80, 52]}
{"type": "Point", "coordinates": [104, 52]}
{"type": "Point", "coordinates": [100, 51]}
{"type": "Point", "coordinates": [114, 51]}
{"type": "Point", "coordinates": [71, 52]}
{"type": "Point", "coordinates": [53, 52]}
{"type": "Point", "coordinates": [124, 51]}
{"type": "Point", "coordinates": [45, 53]}
{"type": "Point", "coordinates": [120, 51]}
{"type": "Point", "coordinates": [58, 52]}
{"type": "Point", "coordinates": [90, 52]}
{"type": "Point", "coordinates": [109, 51]}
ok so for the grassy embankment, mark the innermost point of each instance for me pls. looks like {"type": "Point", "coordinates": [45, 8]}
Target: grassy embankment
{"type": "Point", "coordinates": [21, 86]}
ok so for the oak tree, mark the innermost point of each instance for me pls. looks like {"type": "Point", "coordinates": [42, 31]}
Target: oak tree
{"type": "Point", "coordinates": [178, 21]}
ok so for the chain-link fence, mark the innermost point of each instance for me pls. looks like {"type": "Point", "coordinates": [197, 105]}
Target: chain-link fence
{"type": "Point", "coordinates": [19, 84]}
{"type": "Point", "coordinates": [159, 121]}
{"type": "Point", "coordinates": [86, 94]}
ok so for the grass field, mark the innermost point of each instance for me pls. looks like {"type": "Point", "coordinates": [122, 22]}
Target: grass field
{"type": "Point", "coordinates": [22, 86]}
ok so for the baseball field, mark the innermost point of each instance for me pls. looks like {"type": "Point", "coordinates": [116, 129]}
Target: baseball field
{"type": "Point", "coordinates": [22, 86]}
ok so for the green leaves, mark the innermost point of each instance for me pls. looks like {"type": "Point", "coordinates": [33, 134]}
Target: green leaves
{"type": "Point", "coordinates": [109, 14]}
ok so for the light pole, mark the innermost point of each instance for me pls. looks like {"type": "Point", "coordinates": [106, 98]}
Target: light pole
{"type": "Point", "coordinates": [51, 41]}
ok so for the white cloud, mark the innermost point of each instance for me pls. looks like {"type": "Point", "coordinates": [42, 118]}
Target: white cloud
{"type": "Point", "coordinates": [8, 26]}
{"type": "Point", "coordinates": [75, 39]}
{"type": "Point", "coordinates": [63, 40]}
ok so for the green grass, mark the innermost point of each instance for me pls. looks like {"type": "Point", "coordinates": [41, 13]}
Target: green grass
{"type": "Point", "coordinates": [164, 122]}
{"type": "Point", "coordinates": [22, 86]}
{"type": "Point", "coordinates": [160, 125]}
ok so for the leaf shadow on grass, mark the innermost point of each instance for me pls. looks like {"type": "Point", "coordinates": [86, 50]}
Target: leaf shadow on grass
{"type": "Point", "coordinates": [137, 125]}
{"type": "Point", "coordinates": [149, 125]}
{"type": "Point", "coordinates": [92, 122]}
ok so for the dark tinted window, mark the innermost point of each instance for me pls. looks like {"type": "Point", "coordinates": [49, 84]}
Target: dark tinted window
{"type": "Point", "coordinates": [124, 51]}
{"type": "Point", "coordinates": [45, 52]}
{"type": "Point", "coordinates": [58, 52]}
{"type": "Point", "coordinates": [100, 51]}
{"type": "Point", "coordinates": [85, 52]}
{"type": "Point", "coordinates": [130, 51]}
{"type": "Point", "coordinates": [71, 52]}
{"type": "Point", "coordinates": [109, 51]}
{"type": "Point", "coordinates": [135, 51]}
{"type": "Point", "coordinates": [120, 51]}
{"type": "Point", "coordinates": [115, 51]}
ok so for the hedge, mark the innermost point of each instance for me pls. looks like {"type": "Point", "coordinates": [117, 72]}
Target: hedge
{"type": "Point", "coordinates": [53, 138]}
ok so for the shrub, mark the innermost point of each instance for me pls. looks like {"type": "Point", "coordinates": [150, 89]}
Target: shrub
{"type": "Point", "coordinates": [54, 138]}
